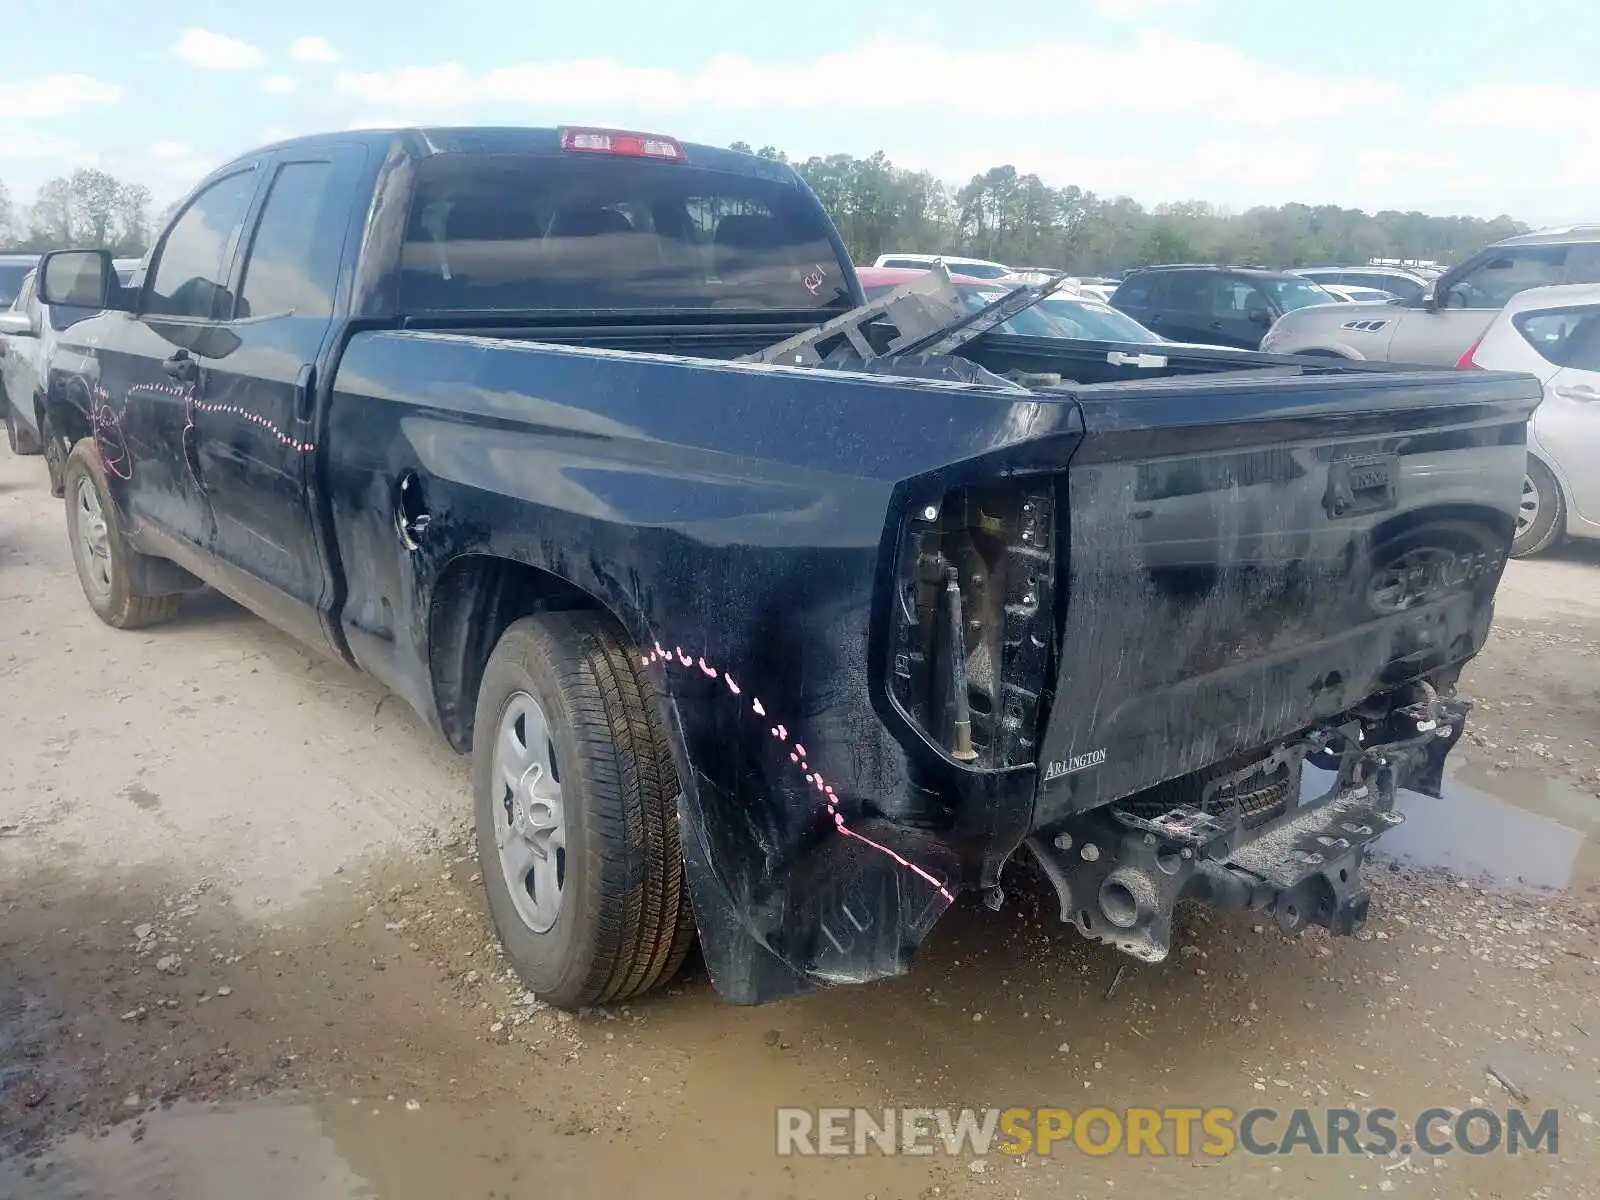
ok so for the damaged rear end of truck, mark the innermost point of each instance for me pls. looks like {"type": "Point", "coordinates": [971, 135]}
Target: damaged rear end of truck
{"type": "Point", "coordinates": [1113, 643]}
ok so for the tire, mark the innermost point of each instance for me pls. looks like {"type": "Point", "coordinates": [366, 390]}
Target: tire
{"type": "Point", "coordinates": [620, 921]}
{"type": "Point", "coordinates": [100, 551]}
{"type": "Point", "coordinates": [19, 437]}
{"type": "Point", "coordinates": [1543, 515]}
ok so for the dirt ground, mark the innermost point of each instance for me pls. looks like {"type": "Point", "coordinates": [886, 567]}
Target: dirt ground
{"type": "Point", "coordinates": [243, 954]}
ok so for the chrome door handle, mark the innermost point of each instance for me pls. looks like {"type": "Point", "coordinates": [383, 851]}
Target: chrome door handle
{"type": "Point", "coordinates": [181, 367]}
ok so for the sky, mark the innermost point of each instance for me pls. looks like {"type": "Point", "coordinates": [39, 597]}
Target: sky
{"type": "Point", "coordinates": [1449, 106]}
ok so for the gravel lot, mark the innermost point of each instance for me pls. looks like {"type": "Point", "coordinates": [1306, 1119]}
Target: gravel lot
{"type": "Point", "coordinates": [242, 954]}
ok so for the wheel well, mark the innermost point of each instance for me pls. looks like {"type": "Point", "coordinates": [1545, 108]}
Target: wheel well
{"type": "Point", "coordinates": [1321, 353]}
{"type": "Point", "coordinates": [69, 419]}
{"type": "Point", "coordinates": [1561, 489]}
{"type": "Point", "coordinates": [477, 596]}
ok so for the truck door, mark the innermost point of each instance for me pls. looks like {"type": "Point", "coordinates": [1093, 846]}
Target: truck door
{"type": "Point", "coordinates": [155, 364]}
{"type": "Point", "coordinates": [254, 433]}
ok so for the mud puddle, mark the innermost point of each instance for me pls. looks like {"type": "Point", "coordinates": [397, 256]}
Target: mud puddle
{"type": "Point", "coordinates": [1509, 828]}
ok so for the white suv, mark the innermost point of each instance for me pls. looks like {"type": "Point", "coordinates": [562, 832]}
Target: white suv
{"type": "Point", "coordinates": [1440, 327]}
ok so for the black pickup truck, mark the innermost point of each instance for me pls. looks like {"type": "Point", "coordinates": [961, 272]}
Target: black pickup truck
{"type": "Point", "coordinates": [786, 650]}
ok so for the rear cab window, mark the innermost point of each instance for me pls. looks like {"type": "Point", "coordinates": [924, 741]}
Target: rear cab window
{"type": "Point", "coordinates": [521, 232]}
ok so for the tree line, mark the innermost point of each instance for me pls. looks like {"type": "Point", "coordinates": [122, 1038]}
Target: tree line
{"type": "Point", "coordinates": [89, 207]}
{"type": "Point", "coordinates": [1001, 214]}
{"type": "Point", "coordinates": [1017, 219]}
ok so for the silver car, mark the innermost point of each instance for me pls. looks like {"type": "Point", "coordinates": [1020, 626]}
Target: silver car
{"type": "Point", "coordinates": [1441, 327]}
{"type": "Point", "coordinates": [28, 333]}
{"type": "Point", "coordinates": [1397, 281]}
{"type": "Point", "coordinates": [1554, 333]}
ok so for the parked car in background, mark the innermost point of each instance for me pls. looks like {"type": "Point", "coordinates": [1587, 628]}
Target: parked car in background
{"type": "Point", "coordinates": [978, 268]}
{"type": "Point", "coordinates": [1554, 333]}
{"type": "Point", "coordinates": [1454, 312]}
{"type": "Point", "coordinates": [28, 333]}
{"type": "Point", "coordinates": [1402, 282]}
{"type": "Point", "coordinates": [20, 354]}
{"type": "Point", "coordinates": [975, 293]}
{"type": "Point", "coordinates": [14, 269]}
{"type": "Point", "coordinates": [1356, 295]}
{"type": "Point", "coordinates": [1101, 287]}
{"type": "Point", "coordinates": [1204, 303]}
{"type": "Point", "coordinates": [1062, 315]}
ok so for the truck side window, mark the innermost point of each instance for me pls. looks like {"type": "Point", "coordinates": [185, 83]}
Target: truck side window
{"type": "Point", "coordinates": [191, 274]}
{"type": "Point", "coordinates": [293, 262]}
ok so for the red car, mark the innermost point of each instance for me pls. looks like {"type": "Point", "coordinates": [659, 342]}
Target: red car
{"type": "Point", "coordinates": [975, 293]}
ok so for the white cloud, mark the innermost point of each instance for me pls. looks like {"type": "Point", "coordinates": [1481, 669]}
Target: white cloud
{"type": "Point", "coordinates": [171, 151]}
{"type": "Point", "coordinates": [1135, 10]}
{"type": "Point", "coordinates": [279, 85]}
{"type": "Point", "coordinates": [1177, 76]}
{"type": "Point", "coordinates": [19, 144]}
{"type": "Point", "coordinates": [314, 50]}
{"type": "Point", "coordinates": [1554, 109]}
{"type": "Point", "coordinates": [378, 121]}
{"type": "Point", "coordinates": [53, 95]}
{"type": "Point", "coordinates": [1277, 169]}
{"type": "Point", "coordinates": [217, 51]}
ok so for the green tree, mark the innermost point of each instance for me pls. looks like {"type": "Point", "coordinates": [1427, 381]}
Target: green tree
{"type": "Point", "coordinates": [50, 219]}
{"type": "Point", "coordinates": [8, 216]}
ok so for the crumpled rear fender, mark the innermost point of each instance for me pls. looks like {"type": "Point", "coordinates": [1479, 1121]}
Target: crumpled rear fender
{"type": "Point", "coordinates": [821, 847]}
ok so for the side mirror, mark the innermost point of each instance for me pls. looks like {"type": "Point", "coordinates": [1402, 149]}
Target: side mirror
{"type": "Point", "coordinates": [16, 323]}
{"type": "Point", "coordinates": [79, 279]}
{"type": "Point", "coordinates": [1259, 315]}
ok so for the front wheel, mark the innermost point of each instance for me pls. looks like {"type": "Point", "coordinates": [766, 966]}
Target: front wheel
{"type": "Point", "coordinates": [576, 809]}
{"type": "Point", "coordinates": [100, 551]}
{"type": "Point", "coordinates": [1541, 515]}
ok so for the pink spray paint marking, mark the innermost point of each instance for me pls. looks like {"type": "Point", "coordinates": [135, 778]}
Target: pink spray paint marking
{"type": "Point", "coordinates": [105, 423]}
{"type": "Point", "coordinates": [797, 757]}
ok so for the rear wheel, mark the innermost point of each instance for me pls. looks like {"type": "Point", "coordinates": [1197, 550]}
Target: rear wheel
{"type": "Point", "coordinates": [576, 808]}
{"type": "Point", "coordinates": [1541, 515]}
{"type": "Point", "coordinates": [19, 437]}
{"type": "Point", "coordinates": [101, 553]}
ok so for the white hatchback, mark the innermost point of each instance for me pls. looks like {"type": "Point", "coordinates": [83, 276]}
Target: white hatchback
{"type": "Point", "coordinates": [1553, 333]}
